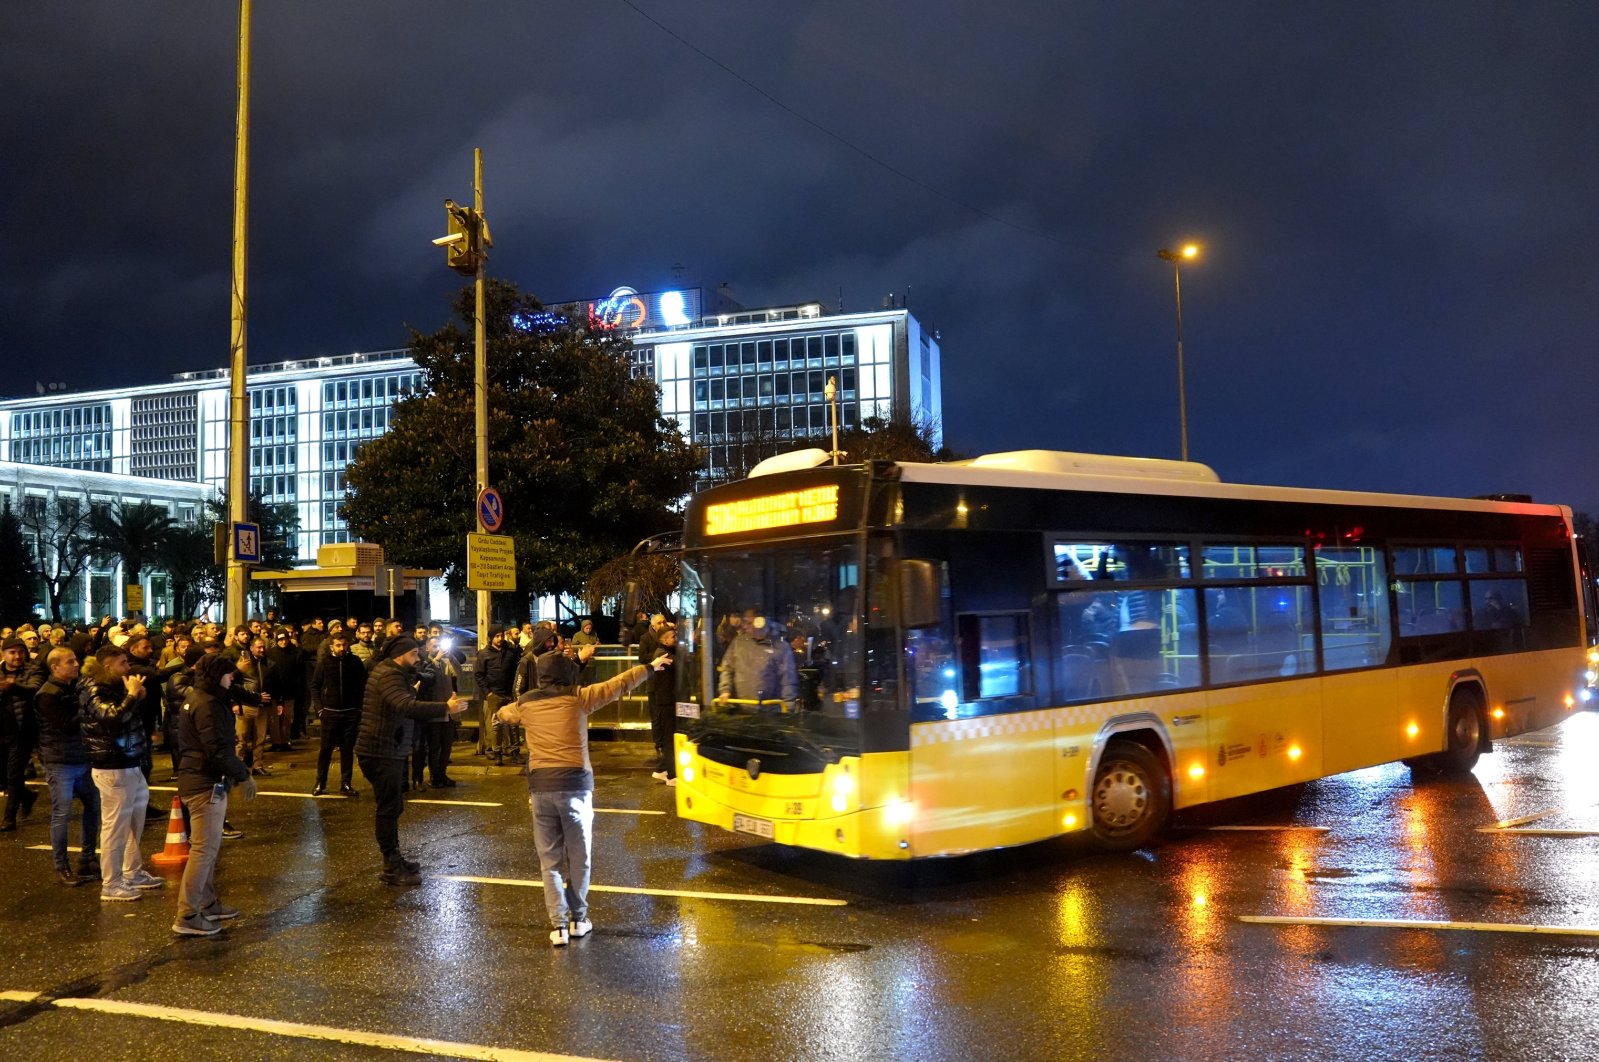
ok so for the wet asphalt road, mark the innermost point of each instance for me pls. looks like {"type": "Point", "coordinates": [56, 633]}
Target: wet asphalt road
{"type": "Point", "coordinates": [1049, 952]}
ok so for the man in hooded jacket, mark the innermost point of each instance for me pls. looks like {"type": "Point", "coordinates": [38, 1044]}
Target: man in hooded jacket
{"type": "Point", "coordinates": [560, 778]}
{"type": "Point", "coordinates": [389, 713]}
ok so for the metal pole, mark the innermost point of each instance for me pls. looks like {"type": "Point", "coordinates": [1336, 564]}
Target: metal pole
{"type": "Point", "coordinates": [480, 409]}
{"type": "Point", "coordinates": [238, 421]}
{"type": "Point", "coordinates": [480, 389]}
{"type": "Point", "coordinates": [1182, 383]}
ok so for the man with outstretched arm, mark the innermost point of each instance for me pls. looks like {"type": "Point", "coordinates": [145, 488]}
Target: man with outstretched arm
{"type": "Point", "coordinates": [560, 778]}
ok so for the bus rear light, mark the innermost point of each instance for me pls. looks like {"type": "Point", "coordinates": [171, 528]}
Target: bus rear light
{"type": "Point", "coordinates": [1294, 752]}
{"type": "Point", "coordinates": [1197, 771]}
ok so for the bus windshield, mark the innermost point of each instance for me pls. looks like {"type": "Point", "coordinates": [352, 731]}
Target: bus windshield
{"type": "Point", "coordinates": [771, 662]}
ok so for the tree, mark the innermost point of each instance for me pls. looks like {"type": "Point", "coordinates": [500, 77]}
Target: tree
{"type": "Point", "coordinates": [62, 540]}
{"type": "Point", "coordinates": [133, 532]}
{"type": "Point", "coordinates": [188, 558]}
{"type": "Point", "coordinates": [19, 579]}
{"type": "Point", "coordinates": [577, 448]}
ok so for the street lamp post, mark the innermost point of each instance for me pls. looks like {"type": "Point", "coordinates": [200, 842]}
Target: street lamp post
{"type": "Point", "coordinates": [1176, 258]}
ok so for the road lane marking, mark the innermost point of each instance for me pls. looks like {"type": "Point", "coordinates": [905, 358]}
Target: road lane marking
{"type": "Point", "coordinates": [1505, 824]}
{"type": "Point", "coordinates": [298, 1030]}
{"type": "Point", "coordinates": [1539, 832]}
{"type": "Point", "coordinates": [19, 997]}
{"type": "Point", "coordinates": [458, 803]}
{"type": "Point", "coordinates": [1402, 923]}
{"type": "Point", "coordinates": [814, 901]}
{"type": "Point", "coordinates": [1273, 829]}
{"type": "Point", "coordinates": [626, 811]}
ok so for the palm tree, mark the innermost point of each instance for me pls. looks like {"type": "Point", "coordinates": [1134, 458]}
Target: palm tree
{"type": "Point", "coordinates": [135, 533]}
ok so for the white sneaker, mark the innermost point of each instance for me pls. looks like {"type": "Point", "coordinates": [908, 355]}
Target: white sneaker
{"type": "Point", "coordinates": [659, 776]}
{"type": "Point", "coordinates": [581, 929]}
{"type": "Point", "coordinates": [671, 783]}
{"type": "Point", "coordinates": [558, 937]}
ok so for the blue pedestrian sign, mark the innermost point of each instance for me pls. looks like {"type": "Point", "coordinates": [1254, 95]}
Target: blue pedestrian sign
{"type": "Point", "coordinates": [247, 543]}
{"type": "Point", "coordinates": [490, 509]}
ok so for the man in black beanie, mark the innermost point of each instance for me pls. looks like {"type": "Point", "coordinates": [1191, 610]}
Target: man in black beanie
{"type": "Point", "coordinates": [389, 713]}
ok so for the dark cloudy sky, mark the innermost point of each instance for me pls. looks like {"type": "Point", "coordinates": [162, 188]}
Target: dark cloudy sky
{"type": "Point", "coordinates": [1400, 287]}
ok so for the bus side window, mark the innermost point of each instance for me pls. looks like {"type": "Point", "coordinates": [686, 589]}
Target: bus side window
{"type": "Point", "coordinates": [1353, 584]}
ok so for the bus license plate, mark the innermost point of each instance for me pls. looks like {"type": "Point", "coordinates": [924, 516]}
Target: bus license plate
{"type": "Point", "coordinates": [688, 710]}
{"type": "Point", "coordinates": [749, 824]}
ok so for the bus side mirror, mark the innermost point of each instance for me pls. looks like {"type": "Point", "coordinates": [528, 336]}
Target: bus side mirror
{"type": "Point", "coordinates": [921, 597]}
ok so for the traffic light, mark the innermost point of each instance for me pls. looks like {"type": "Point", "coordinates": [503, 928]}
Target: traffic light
{"type": "Point", "coordinates": [467, 239]}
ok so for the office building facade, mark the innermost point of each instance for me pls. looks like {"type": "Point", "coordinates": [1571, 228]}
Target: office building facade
{"type": "Point", "coordinates": [724, 376]}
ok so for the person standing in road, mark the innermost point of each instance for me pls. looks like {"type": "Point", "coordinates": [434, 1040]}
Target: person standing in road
{"type": "Point", "coordinates": [437, 674]}
{"type": "Point", "coordinates": [495, 670]}
{"type": "Point", "coordinates": [337, 687]}
{"type": "Point", "coordinates": [663, 711]}
{"type": "Point", "coordinates": [389, 711]}
{"type": "Point", "coordinates": [362, 646]}
{"type": "Point", "coordinates": [19, 728]}
{"type": "Point", "coordinates": [207, 766]}
{"type": "Point", "coordinates": [560, 778]}
{"type": "Point", "coordinates": [66, 768]}
{"type": "Point", "coordinates": [114, 735]}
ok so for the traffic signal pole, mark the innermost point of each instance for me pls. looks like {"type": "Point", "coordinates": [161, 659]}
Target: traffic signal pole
{"type": "Point", "coordinates": [480, 391]}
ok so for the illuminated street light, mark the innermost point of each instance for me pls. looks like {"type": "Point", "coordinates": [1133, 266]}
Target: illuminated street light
{"type": "Point", "coordinates": [1189, 251]}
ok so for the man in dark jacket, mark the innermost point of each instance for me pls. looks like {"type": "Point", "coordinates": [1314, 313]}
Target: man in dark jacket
{"type": "Point", "coordinates": [114, 735]}
{"type": "Point", "coordinates": [19, 728]}
{"type": "Point", "coordinates": [389, 712]}
{"type": "Point", "coordinates": [289, 663]}
{"type": "Point", "coordinates": [66, 767]}
{"type": "Point", "coordinates": [337, 686]}
{"type": "Point", "coordinates": [207, 768]}
{"type": "Point", "coordinates": [495, 670]}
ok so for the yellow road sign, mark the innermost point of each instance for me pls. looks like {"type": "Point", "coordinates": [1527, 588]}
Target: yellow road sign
{"type": "Point", "coordinates": [490, 562]}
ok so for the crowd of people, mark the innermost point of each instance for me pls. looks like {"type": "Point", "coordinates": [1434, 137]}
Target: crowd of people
{"type": "Point", "coordinates": [94, 706]}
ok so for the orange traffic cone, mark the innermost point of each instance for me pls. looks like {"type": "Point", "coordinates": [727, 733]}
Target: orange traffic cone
{"type": "Point", "coordinates": [176, 852]}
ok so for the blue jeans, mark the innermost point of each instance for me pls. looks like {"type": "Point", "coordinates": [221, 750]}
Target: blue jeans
{"type": "Point", "coordinates": [563, 829]}
{"type": "Point", "coordinates": [68, 781]}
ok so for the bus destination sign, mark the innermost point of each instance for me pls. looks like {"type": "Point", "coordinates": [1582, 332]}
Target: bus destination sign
{"type": "Point", "coordinates": [813, 505]}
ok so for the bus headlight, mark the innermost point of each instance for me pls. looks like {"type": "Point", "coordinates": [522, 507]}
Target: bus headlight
{"type": "Point", "coordinates": [899, 813]}
{"type": "Point", "coordinates": [843, 787]}
{"type": "Point", "coordinates": [685, 758]}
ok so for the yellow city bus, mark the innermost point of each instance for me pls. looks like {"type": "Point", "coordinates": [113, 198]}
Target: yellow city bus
{"type": "Point", "coordinates": [993, 652]}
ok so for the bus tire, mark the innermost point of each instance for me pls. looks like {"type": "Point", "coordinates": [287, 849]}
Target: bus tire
{"type": "Point", "coordinates": [1463, 733]}
{"type": "Point", "coordinates": [1131, 799]}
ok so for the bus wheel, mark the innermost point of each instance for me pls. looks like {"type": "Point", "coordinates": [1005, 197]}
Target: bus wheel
{"type": "Point", "coordinates": [1464, 734]}
{"type": "Point", "coordinates": [1131, 799]}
